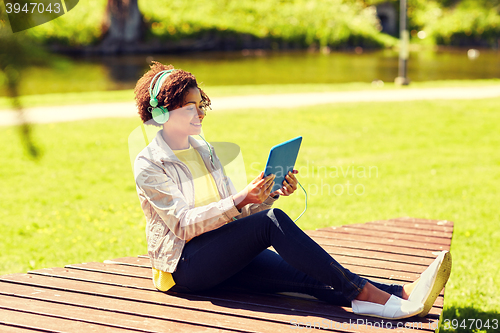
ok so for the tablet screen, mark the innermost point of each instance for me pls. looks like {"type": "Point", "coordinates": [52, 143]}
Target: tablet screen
{"type": "Point", "coordinates": [282, 160]}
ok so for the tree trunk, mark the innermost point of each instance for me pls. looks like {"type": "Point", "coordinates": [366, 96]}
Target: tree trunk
{"type": "Point", "coordinates": [123, 26]}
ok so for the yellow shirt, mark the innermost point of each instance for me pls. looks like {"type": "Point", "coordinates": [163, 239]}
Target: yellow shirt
{"type": "Point", "coordinates": [205, 192]}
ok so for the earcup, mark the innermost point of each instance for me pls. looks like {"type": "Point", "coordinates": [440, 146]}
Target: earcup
{"type": "Point", "coordinates": [160, 115]}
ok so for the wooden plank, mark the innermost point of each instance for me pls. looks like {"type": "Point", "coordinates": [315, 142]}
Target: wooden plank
{"type": "Point", "coordinates": [422, 221]}
{"type": "Point", "coordinates": [387, 235]}
{"type": "Point", "coordinates": [140, 261]}
{"type": "Point", "coordinates": [385, 256]}
{"type": "Point", "coordinates": [109, 279]}
{"type": "Point", "coordinates": [14, 329]}
{"type": "Point", "coordinates": [397, 232]}
{"type": "Point", "coordinates": [354, 241]}
{"type": "Point", "coordinates": [404, 230]}
{"type": "Point", "coordinates": [40, 322]}
{"type": "Point", "coordinates": [254, 306]}
{"type": "Point", "coordinates": [125, 270]}
{"type": "Point", "coordinates": [97, 316]}
{"type": "Point", "coordinates": [448, 227]}
{"type": "Point", "coordinates": [376, 250]}
{"type": "Point", "coordinates": [350, 242]}
{"type": "Point", "coordinates": [378, 263]}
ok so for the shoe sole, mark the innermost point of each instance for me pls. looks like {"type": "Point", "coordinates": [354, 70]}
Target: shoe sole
{"type": "Point", "coordinates": [382, 317]}
{"type": "Point", "coordinates": [442, 276]}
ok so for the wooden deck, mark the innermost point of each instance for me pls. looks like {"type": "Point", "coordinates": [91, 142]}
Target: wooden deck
{"type": "Point", "coordinates": [118, 295]}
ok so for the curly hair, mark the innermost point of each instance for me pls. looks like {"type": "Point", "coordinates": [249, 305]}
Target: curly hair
{"type": "Point", "coordinates": [172, 93]}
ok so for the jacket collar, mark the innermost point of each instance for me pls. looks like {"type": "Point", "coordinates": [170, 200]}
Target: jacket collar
{"type": "Point", "coordinates": [163, 152]}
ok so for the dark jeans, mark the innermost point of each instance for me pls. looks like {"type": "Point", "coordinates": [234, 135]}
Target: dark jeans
{"type": "Point", "coordinates": [237, 254]}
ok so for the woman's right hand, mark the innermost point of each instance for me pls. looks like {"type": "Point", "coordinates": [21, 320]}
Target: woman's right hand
{"type": "Point", "coordinates": [256, 192]}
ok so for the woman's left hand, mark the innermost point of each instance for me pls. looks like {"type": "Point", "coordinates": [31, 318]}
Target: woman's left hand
{"type": "Point", "coordinates": [289, 185]}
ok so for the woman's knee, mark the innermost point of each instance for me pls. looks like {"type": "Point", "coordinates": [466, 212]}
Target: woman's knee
{"type": "Point", "coordinates": [279, 213]}
{"type": "Point", "coordinates": [278, 216]}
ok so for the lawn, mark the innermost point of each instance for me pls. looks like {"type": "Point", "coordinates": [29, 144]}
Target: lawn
{"type": "Point", "coordinates": [426, 159]}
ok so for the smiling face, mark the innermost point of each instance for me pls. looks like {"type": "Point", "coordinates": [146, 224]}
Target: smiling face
{"type": "Point", "coordinates": [185, 120]}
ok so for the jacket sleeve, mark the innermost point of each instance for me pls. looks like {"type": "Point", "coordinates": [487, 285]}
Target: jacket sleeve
{"type": "Point", "coordinates": [250, 208]}
{"type": "Point", "coordinates": [169, 204]}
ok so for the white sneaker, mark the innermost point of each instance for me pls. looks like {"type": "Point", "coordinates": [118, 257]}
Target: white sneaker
{"type": "Point", "coordinates": [394, 308]}
{"type": "Point", "coordinates": [431, 282]}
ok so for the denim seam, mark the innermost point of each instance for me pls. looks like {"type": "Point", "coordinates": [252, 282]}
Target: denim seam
{"type": "Point", "coordinates": [358, 289]}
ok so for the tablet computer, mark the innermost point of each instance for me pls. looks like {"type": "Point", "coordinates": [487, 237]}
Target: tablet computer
{"type": "Point", "coordinates": [281, 160]}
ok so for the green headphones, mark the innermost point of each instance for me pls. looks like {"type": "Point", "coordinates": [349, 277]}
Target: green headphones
{"type": "Point", "coordinates": [159, 113]}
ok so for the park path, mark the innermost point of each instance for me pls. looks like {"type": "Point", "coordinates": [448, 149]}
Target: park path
{"type": "Point", "coordinates": [110, 110]}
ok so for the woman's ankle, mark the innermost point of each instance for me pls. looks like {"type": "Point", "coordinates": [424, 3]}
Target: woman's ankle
{"type": "Point", "coordinates": [372, 294]}
{"type": "Point", "coordinates": [408, 288]}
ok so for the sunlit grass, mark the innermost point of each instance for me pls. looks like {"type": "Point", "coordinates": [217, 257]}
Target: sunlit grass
{"type": "Point", "coordinates": [76, 203]}
{"type": "Point", "coordinates": [427, 159]}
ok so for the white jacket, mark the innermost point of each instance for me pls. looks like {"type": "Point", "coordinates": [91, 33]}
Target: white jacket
{"type": "Point", "coordinates": [166, 191]}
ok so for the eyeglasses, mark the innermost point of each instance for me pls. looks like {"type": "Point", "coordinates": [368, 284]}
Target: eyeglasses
{"type": "Point", "coordinates": [192, 108]}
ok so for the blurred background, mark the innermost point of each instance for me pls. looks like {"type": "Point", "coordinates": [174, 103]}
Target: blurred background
{"type": "Point", "coordinates": [67, 194]}
{"type": "Point", "coordinates": [106, 45]}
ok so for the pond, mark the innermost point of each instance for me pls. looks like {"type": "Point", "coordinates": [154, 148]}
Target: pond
{"type": "Point", "coordinates": [255, 67]}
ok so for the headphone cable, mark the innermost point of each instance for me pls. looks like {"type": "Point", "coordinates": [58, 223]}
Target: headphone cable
{"type": "Point", "coordinates": [305, 208]}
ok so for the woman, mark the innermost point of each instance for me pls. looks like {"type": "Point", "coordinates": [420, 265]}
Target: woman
{"type": "Point", "coordinates": [203, 233]}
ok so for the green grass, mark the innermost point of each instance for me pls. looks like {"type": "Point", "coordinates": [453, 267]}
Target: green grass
{"type": "Point", "coordinates": [428, 159]}
{"type": "Point", "coordinates": [240, 90]}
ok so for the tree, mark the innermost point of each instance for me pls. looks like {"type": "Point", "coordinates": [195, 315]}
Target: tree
{"type": "Point", "coordinates": [123, 26]}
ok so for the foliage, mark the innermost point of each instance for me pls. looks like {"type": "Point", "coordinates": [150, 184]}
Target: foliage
{"type": "Point", "coordinates": [467, 23]}
{"type": "Point", "coordinates": [284, 22]}
{"type": "Point", "coordinates": [331, 22]}
{"type": "Point", "coordinates": [451, 22]}
{"type": "Point", "coordinates": [80, 26]}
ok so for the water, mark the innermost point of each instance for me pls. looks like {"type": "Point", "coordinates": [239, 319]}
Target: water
{"type": "Point", "coordinates": [262, 67]}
